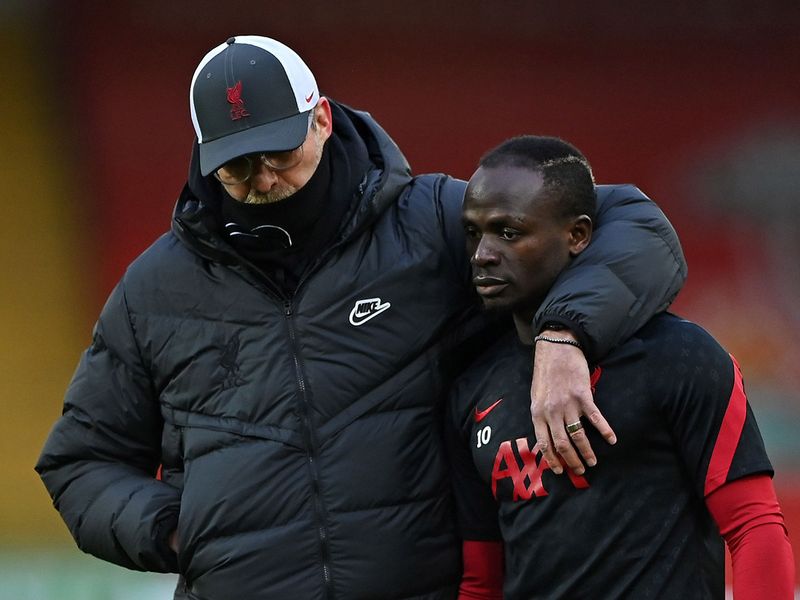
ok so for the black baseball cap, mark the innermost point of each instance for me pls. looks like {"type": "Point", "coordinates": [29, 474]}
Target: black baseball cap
{"type": "Point", "coordinates": [250, 94]}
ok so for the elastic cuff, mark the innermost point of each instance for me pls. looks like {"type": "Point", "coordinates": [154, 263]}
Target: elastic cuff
{"type": "Point", "coordinates": [165, 526]}
{"type": "Point", "coordinates": [573, 326]}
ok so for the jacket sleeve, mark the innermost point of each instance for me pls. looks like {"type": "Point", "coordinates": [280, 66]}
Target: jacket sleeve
{"type": "Point", "coordinates": [100, 459]}
{"type": "Point", "coordinates": [633, 269]}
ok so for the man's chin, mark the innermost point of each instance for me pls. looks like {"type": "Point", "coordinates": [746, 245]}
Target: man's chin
{"type": "Point", "coordinates": [496, 305]}
{"type": "Point", "coordinates": [502, 306]}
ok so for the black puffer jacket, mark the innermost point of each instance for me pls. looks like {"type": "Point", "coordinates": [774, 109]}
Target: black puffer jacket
{"type": "Point", "coordinates": [299, 437]}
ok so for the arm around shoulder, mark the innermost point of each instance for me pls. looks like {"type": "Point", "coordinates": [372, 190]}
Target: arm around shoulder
{"type": "Point", "coordinates": [633, 269]}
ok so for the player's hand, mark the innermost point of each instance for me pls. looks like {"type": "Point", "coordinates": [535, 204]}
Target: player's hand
{"type": "Point", "coordinates": [560, 395]}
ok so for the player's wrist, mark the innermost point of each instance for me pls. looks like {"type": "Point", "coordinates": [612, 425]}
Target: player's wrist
{"type": "Point", "coordinates": [559, 337]}
{"type": "Point", "coordinates": [557, 329]}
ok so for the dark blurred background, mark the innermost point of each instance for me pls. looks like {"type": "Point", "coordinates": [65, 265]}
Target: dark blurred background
{"type": "Point", "coordinates": [697, 103]}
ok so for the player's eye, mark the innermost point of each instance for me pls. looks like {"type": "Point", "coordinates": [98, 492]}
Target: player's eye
{"type": "Point", "coordinates": [509, 234]}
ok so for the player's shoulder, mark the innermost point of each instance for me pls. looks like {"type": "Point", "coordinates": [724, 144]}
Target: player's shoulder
{"type": "Point", "coordinates": [682, 350]}
{"type": "Point", "coordinates": [674, 331]}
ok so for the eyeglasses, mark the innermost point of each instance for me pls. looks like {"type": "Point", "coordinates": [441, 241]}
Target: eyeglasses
{"type": "Point", "coordinates": [240, 169]}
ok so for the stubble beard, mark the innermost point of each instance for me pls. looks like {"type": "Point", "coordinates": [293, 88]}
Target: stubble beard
{"type": "Point", "coordinates": [276, 194]}
{"type": "Point", "coordinates": [281, 192]}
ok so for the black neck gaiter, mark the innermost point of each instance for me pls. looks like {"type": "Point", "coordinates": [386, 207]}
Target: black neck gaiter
{"type": "Point", "coordinates": [256, 230]}
{"type": "Point", "coordinates": [284, 237]}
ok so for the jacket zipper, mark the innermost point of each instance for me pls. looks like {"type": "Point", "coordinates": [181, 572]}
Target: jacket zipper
{"type": "Point", "coordinates": [310, 444]}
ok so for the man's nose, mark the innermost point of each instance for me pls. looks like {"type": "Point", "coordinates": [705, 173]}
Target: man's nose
{"type": "Point", "coordinates": [485, 253]}
{"type": "Point", "coordinates": [263, 178]}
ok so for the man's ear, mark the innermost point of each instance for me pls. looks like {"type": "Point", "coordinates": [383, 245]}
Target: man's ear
{"type": "Point", "coordinates": [580, 234]}
{"type": "Point", "coordinates": [323, 117]}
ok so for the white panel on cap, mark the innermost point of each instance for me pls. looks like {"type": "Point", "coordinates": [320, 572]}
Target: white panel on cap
{"type": "Point", "coordinates": [300, 76]}
{"type": "Point", "coordinates": [200, 67]}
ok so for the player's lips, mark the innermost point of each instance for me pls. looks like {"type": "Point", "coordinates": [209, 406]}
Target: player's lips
{"type": "Point", "coordinates": [487, 286]}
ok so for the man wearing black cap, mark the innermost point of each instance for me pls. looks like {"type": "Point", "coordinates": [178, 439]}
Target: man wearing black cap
{"type": "Point", "coordinates": [280, 354]}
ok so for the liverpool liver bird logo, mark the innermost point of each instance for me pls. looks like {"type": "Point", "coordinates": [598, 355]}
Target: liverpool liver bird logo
{"type": "Point", "coordinates": [235, 99]}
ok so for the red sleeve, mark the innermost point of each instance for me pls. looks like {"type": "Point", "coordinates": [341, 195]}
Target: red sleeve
{"type": "Point", "coordinates": [750, 519]}
{"type": "Point", "coordinates": [483, 571]}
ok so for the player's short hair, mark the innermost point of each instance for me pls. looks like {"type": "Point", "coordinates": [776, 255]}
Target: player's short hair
{"type": "Point", "coordinates": [567, 176]}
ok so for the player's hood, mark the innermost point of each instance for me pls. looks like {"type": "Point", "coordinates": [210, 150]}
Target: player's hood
{"type": "Point", "coordinates": [377, 167]}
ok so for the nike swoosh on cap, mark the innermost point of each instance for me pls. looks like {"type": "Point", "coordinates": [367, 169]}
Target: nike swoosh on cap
{"type": "Point", "coordinates": [480, 415]}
